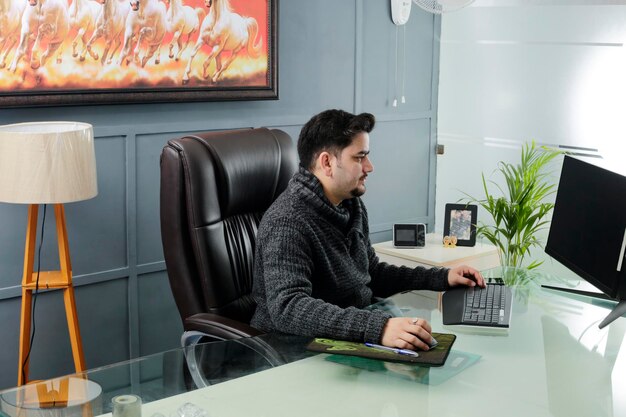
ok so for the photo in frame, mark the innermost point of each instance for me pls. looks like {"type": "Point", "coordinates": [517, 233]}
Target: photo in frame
{"type": "Point", "coordinates": [75, 52]}
{"type": "Point", "coordinates": [460, 222]}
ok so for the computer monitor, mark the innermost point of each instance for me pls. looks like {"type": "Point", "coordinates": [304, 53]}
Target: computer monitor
{"type": "Point", "coordinates": [588, 228]}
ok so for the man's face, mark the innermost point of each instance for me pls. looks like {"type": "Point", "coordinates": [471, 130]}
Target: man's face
{"type": "Point", "coordinates": [351, 168]}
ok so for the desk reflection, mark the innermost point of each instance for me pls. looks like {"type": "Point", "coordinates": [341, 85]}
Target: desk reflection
{"type": "Point", "coordinates": [574, 371]}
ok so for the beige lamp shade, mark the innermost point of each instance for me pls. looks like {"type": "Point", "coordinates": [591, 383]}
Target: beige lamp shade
{"type": "Point", "coordinates": [47, 163]}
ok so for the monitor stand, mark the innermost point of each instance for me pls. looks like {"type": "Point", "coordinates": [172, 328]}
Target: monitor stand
{"type": "Point", "coordinates": [618, 311]}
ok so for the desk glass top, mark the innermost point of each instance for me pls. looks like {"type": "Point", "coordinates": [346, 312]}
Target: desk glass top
{"type": "Point", "coordinates": [553, 361]}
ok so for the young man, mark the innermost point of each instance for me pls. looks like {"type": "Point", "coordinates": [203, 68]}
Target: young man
{"type": "Point", "coordinates": [315, 268]}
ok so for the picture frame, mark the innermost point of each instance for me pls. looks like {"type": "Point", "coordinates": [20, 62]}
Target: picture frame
{"type": "Point", "coordinates": [150, 65]}
{"type": "Point", "coordinates": [460, 221]}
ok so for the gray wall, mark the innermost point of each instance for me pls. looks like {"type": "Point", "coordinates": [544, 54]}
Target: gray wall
{"type": "Point", "coordinates": [332, 54]}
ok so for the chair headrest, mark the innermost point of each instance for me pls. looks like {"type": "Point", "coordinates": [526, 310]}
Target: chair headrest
{"type": "Point", "coordinates": [249, 168]}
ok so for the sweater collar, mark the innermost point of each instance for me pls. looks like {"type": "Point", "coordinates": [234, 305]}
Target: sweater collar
{"type": "Point", "coordinates": [347, 215]}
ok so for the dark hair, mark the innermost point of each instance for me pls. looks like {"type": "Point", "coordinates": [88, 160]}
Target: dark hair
{"type": "Point", "coordinates": [332, 131]}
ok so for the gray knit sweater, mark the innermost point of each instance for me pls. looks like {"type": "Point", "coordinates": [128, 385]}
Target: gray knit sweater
{"type": "Point", "coordinates": [315, 268]}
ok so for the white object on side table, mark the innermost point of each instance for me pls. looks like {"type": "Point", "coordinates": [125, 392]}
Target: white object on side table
{"type": "Point", "coordinates": [481, 256]}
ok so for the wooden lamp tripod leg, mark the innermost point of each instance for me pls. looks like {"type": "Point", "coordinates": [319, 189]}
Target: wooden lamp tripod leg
{"type": "Point", "coordinates": [52, 280]}
{"type": "Point", "coordinates": [25, 320]}
{"type": "Point", "coordinates": [68, 292]}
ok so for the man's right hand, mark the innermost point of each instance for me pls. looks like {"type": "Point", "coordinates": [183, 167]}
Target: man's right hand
{"type": "Point", "coordinates": [407, 333]}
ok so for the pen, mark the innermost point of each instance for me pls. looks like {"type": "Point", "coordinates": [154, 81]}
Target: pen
{"type": "Point", "coordinates": [395, 350]}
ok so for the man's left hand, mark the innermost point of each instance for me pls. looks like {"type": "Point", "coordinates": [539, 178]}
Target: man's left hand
{"type": "Point", "coordinates": [465, 275]}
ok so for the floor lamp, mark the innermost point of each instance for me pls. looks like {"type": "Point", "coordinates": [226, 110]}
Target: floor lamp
{"type": "Point", "coordinates": [47, 163]}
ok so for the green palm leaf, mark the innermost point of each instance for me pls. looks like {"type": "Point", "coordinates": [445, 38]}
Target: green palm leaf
{"type": "Point", "coordinates": [519, 213]}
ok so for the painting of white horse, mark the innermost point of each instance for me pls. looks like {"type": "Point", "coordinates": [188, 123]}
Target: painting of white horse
{"type": "Point", "coordinates": [109, 27]}
{"type": "Point", "coordinates": [224, 31]}
{"type": "Point", "coordinates": [10, 18]}
{"type": "Point", "coordinates": [83, 16]}
{"type": "Point", "coordinates": [182, 21]}
{"type": "Point", "coordinates": [42, 20]}
{"type": "Point", "coordinates": [146, 22]}
{"type": "Point", "coordinates": [53, 51]}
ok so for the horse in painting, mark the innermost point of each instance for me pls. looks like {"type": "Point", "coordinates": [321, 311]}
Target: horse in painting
{"type": "Point", "coordinates": [83, 16]}
{"type": "Point", "coordinates": [10, 19]}
{"type": "Point", "coordinates": [110, 26]}
{"type": "Point", "coordinates": [147, 22]}
{"type": "Point", "coordinates": [42, 19]}
{"type": "Point", "coordinates": [182, 21]}
{"type": "Point", "coordinates": [224, 31]}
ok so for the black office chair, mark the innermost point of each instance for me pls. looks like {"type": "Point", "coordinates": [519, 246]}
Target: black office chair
{"type": "Point", "coordinates": [215, 187]}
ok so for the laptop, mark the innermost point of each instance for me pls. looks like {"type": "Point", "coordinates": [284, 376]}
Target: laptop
{"type": "Point", "coordinates": [488, 307]}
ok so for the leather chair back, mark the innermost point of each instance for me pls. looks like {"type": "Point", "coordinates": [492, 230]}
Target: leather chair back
{"type": "Point", "coordinates": [215, 188]}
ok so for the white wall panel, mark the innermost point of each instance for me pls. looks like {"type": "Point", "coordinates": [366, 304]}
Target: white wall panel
{"type": "Point", "coordinates": [554, 74]}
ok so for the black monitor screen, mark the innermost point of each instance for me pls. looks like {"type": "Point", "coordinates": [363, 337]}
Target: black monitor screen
{"type": "Point", "coordinates": [588, 225]}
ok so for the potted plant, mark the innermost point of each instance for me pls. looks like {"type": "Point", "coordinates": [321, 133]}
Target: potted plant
{"type": "Point", "coordinates": [519, 211]}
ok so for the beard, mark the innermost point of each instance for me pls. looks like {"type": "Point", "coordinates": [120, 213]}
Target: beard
{"type": "Point", "coordinates": [357, 192]}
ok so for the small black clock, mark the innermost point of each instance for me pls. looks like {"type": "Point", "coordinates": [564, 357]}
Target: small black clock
{"type": "Point", "coordinates": [409, 235]}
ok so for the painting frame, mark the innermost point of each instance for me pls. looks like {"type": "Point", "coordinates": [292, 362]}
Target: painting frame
{"type": "Point", "coordinates": [157, 94]}
{"type": "Point", "coordinates": [460, 221]}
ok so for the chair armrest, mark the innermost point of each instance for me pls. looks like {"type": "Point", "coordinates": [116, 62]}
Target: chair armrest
{"type": "Point", "coordinates": [219, 327]}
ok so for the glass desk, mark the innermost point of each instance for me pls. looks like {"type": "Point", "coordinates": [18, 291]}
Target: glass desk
{"type": "Point", "coordinates": [158, 376]}
{"type": "Point", "coordinates": [553, 361]}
